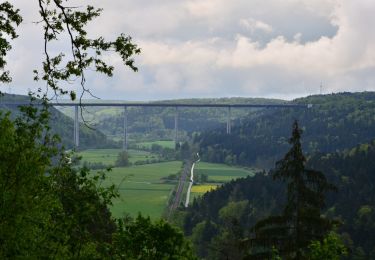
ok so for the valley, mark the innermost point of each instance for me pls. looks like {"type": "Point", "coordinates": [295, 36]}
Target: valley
{"type": "Point", "coordinates": [232, 180]}
{"type": "Point", "coordinates": [192, 130]}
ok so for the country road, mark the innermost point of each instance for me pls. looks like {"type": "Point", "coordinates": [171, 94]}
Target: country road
{"type": "Point", "coordinates": [191, 182]}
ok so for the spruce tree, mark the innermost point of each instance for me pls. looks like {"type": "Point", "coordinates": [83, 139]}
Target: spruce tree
{"type": "Point", "coordinates": [301, 221]}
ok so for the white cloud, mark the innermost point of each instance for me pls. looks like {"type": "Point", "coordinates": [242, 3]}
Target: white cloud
{"type": "Point", "coordinates": [254, 25]}
{"type": "Point", "coordinates": [195, 48]}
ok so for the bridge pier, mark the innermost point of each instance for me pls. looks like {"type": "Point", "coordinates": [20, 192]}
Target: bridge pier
{"type": "Point", "coordinates": [176, 126]}
{"type": "Point", "coordinates": [125, 142]}
{"type": "Point", "coordinates": [229, 121]}
{"type": "Point", "coordinates": [76, 127]}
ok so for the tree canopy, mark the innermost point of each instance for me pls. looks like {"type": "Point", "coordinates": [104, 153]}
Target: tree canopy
{"type": "Point", "coordinates": [60, 20]}
{"type": "Point", "coordinates": [48, 207]}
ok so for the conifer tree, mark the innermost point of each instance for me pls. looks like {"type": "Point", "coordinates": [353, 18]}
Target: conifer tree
{"type": "Point", "coordinates": [301, 221]}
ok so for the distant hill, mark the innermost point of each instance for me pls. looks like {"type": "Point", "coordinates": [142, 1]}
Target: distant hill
{"type": "Point", "coordinates": [63, 126]}
{"type": "Point", "coordinates": [335, 122]}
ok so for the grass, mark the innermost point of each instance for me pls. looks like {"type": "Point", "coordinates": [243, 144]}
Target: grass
{"type": "Point", "coordinates": [109, 156]}
{"type": "Point", "coordinates": [221, 172]}
{"type": "Point", "coordinates": [218, 174]}
{"type": "Point", "coordinates": [141, 189]}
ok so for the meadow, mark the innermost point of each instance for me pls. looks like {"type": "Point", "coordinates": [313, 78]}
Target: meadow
{"type": "Point", "coordinates": [217, 175]}
{"type": "Point", "coordinates": [141, 188]}
{"type": "Point", "coordinates": [221, 172]}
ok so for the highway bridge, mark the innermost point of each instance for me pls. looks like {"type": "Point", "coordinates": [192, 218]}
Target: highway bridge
{"type": "Point", "coordinates": [177, 106]}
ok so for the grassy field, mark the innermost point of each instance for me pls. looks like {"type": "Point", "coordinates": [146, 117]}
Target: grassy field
{"type": "Point", "coordinates": [217, 175]}
{"type": "Point", "coordinates": [165, 144]}
{"type": "Point", "coordinates": [109, 156]}
{"type": "Point", "coordinates": [221, 172]}
{"type": "Point", "coordinates": [141, 189]}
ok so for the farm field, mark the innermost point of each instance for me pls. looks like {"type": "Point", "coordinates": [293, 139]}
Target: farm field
{"type": "Point", "coordinates": [221, 172]}
{"type": "Point", "coordinates": [109, 156]}
{"type": "Point", "coordinates": [141, 188]}
{"type": "Point", "coordinates": [217, 175]}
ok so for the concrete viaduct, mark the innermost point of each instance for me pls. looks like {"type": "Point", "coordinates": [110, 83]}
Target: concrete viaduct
{"type": "Point", "coordinates": [176, 106]}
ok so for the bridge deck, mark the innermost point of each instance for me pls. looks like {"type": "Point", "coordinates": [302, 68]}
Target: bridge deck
{"type": "Point", "coordinates": [127, 104]}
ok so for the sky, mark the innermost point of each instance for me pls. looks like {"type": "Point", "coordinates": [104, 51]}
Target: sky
{"type": "Point", "coordinates": [219, 48]}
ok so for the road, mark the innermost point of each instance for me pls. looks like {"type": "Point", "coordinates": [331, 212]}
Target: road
{"type": "Point", "coordinates": [191, 182]}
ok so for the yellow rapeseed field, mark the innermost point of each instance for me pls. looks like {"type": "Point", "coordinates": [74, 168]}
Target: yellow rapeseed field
{"type": "Point", "coordinates": [202, 188]}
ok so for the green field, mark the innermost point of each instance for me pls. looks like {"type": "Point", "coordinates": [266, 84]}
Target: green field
{"type": "Point", "coordinates": [217, 174]}
{"type": "Point", "coordinates": [141, 188]}
{"type": "Point", "coordinates": [221, 172]}
{"type": "Point", "coordinates": [109, 156]}
{"type": "Point", "coordinates": [165, 144]}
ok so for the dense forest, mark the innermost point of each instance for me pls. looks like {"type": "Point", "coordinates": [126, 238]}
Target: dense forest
{"type": "Point", "coordinates": [221, 219]}
{"type": "Point", "coordinates": [335, 122]}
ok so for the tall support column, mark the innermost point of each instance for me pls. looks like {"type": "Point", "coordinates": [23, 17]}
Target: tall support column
{"type": "Point", "coordinates": [125, 143]}
{"type": "Point", "coordinates": [76, 127]}
{"type": "Point", "coordinates": [229, 121]}
{"type": "Point", "coordinates": [176, 126]}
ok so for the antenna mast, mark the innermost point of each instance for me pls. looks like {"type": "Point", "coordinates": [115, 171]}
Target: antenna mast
{"type": "Point", "coordinates": [321, 88]}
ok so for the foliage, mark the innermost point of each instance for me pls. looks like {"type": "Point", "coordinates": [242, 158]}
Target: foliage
{"type": "Point", "coordinates": [9, 18]}
{"type": "Point", "coordinates": [47, 207]}
{"type": "Point", "coordinates": [122, 159]}
{"type": "Point", "coordinates": [142, 239]}
{"type": "Point", "coordinates": [259, 191]}
{"type": "Point", "coordinates": [264, 199]}
{"type": "Point", "coordinates": [350, 170]}
{"type": "Point", "coordinates": [301, 221]}
{"type": "Point", "coordinates": [331, 248]}
{"type": "Point", "coordinates": [58, 19]}
{"type": "Point", "coordinates": [96, 165]}
{"type": "Point", "coordinates": [335, 122]}
{"type": "Point", "coordinates": [51, 209]}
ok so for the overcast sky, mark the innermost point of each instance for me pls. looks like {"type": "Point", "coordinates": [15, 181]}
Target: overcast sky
{"type": "Point", "coordinates": [221, 48]}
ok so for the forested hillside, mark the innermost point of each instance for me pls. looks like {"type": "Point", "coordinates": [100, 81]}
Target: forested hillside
{"type": "Point", "coordinates": [63, 126]}
{"type": "Point", "coordinates": [222, 218]}
{"type": "Point", "coordinates": [334, 122]}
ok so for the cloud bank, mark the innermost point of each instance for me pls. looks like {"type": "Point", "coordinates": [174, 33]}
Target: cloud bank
{"type": "Point", "coordinates": [216, 48]}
